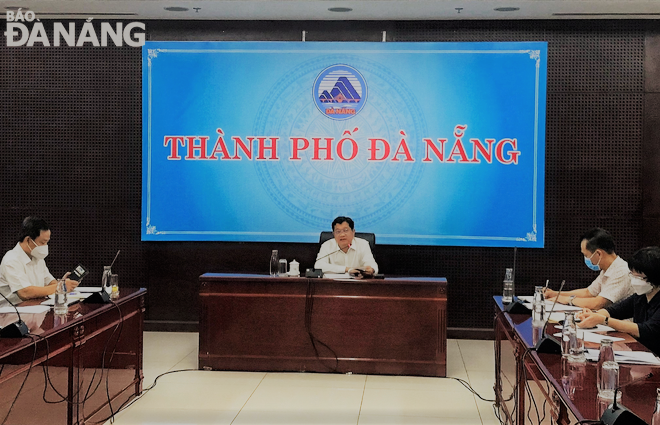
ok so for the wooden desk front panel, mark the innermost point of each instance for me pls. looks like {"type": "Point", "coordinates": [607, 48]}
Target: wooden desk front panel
{"type": "Point", "coordinates": [386, 327]}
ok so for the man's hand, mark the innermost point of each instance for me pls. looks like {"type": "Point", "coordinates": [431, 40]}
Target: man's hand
{"type": "Point", "coordinates": [71, 285]}
{"type": "Point", "coordinates": [369, 270]}
{"type": "Point", "coordinates": [589, 319]}
{"type": "Point", "coordinates": [357, 273]}
{"type": "Point", "coordinates": [549, 293]}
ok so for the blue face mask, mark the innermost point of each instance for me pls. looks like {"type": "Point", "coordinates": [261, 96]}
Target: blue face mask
{"type": "Point", "coordinates": [592, 266]}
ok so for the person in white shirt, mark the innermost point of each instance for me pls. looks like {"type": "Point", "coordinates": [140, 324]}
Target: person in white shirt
{"type": "Point", "coordinates": [613, 282]}
{"type": "Point", "coordinates": [23, 271]}
{"type": "Point", "coordinates": [346, 253]}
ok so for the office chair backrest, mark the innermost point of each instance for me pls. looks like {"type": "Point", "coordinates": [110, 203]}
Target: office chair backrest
{"type": "Point", "coordinates": [369, 237]}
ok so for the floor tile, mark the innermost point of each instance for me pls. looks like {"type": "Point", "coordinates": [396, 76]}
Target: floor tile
{"type": "Point", "coordinates": [169, 347]}
{"type": "Point", "coordinates": [162, 416]}
{"type": "Point", "coordinates": [412, 383]}
{"type": "Point", "coordinates": [455, 364]}
{"type": "Point", "coordinates": [324, 380]}
{"type": "Point", "coordinates": [424, 403]}
{"type": "Point", "coordinates": [192, 396]}
{"type": "Point", "coordinates": [301, 405]}
{"type": "Point", "coordinates": [413, 420]}
{"type": "Point", "coordinates": [478, 355]}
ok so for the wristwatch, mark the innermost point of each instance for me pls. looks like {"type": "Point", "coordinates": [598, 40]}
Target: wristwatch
{"type": "Point", "coordinates": [570, 299]}
{"type": "Point", "coordinates": [607, 320]}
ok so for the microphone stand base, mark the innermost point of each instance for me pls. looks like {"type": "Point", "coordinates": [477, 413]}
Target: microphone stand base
{"type": "Point", "coordinates": [15, 330]}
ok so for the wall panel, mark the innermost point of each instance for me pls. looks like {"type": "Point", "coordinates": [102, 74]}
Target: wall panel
{"type": "Point", "coordinates": [70, 129]}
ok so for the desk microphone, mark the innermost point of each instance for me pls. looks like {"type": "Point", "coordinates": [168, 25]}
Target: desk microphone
{"type": "Point", "coordinates": [618, 414]}
{"type": "Point", "coordinates": [515, 306]}
{"type": "Point", "coordinates": [548, 344]}
{"type": "Point", "coordinates": [14, 330]}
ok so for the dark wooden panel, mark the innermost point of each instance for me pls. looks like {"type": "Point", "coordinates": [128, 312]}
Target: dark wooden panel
{"type": "Point", "coordinates": [259, 323]}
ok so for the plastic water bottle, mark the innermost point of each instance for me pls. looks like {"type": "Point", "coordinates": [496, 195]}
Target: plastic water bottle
{"type": "Point", "coordinates": [656, 411]}
{"type": "Point", "coordinates": [568, 334]}
{"type": "Point", "coordinates": [60, 306]}
{"type": "Point", "coordinates": [608, 371]}
{"type": "Point", "coordinates": [274, 264]}
{"type": "Point", "coordinates": [538, 307]}
{"type": "Point", "coordinates": [507, 293]}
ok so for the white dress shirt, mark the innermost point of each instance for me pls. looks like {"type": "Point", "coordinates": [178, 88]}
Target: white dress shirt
{"type": "Point", "coordinates": [613, 283]}
{"type": "Point", "coordinates": [18, 271]}
{"type": "Point", "coordinates": [358, 256]}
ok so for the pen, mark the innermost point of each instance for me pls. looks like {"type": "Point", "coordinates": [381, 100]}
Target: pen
{"type": "Point", "coordinates": [547, 282]}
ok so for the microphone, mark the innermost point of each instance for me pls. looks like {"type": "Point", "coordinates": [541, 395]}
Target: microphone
{"type": "Point", "coordinates": [618, 414]}
{"type": "Point", "coordinates": [334, 252]}
{"type": "Point", "coordinates": [14, 330]}
{"type": "Point", "coordinates": [548, 344]}
{"type": "Point", "coordinates": [515, 306]}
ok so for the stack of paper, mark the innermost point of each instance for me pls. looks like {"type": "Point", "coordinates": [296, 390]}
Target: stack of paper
{"type": "Point", "coordinates": [630, 357]}
{"type": "Point", "coordinates": [34, 309]}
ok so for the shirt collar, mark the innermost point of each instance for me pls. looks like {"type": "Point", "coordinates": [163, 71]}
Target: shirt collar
{"type": "Point", "coordinates": [21, 254]}
{"type": "Point", "coordinates": [611, 269]}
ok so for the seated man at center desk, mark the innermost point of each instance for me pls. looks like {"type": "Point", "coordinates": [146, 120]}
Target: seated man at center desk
{"type": "Point", "coordinates": [346, 253]}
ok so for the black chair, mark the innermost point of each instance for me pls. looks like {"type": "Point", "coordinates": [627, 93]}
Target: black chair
{"type": "Point", "coordinates": [369, 237]}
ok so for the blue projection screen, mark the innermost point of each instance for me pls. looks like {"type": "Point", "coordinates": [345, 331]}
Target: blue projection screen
{"type": "Point", "coordinates": [420, 143]}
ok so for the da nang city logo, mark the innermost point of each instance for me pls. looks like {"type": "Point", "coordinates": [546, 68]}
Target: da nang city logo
{"type": "Point", "coordinates": [340, 92]}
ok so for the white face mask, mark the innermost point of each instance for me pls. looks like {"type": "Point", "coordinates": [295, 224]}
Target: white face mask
{"type": "Point", "coordinates": [640, 286]}
{"type": "Point", "coordinates": [40, 251]}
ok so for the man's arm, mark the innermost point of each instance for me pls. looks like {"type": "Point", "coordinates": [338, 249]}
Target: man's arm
{"type": "Point", "coordinates": [550, 295]}
{"type": "Point", "coordinates": [37, 291]}
{"type": "Point", "coordinates": [368, 260]}
{"type": "Point", "coordinates": [590, 302]}
{"type": "Point", "coordinates": [324, 261]}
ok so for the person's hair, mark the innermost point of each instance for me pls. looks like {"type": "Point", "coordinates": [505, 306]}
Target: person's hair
{"type": "Point", "coordinates": [32, 227]}
{"type": "Point", "coordinates": [647, 261]}
{"type": "Point", "coordinates": [598, 238]}
{"type": "Point", "coordinates": [340, 220]}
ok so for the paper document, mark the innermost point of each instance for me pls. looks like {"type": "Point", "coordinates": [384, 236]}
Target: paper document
{"type": "Point", "coordinates": [630, 357]}
{"type": "Point", "coordinates": [337, 276]}
{"type": "Point", "coordinates": [71, 298]}
{"type": "Point", "coordinates": [528, 299]}
{"type": "Point", "coordinates": [594, 337]}
{"type": "Point", "coordinates": [35, 309]}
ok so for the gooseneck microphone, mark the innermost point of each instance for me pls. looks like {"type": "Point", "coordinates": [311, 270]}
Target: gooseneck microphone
{"type": "Point", "coordinates": [334, 252]}
{"type": "Point", "coordinates": [618, 414]}
{"type": "Point", "coordinates": [548, 344]}
{"type": "Point", "coordinates": [17, 329]}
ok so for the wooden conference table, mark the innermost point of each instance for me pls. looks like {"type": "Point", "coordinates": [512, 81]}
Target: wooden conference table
{"type": "Point", "coordinates": [261, 323]}
{"type": "Point", "coordinates": [87, 359]}
{"type": "Point", "coordinates": [569, 389]}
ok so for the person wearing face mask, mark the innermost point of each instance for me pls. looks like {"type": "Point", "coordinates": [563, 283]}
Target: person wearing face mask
{"type": "Point", "coordinates": [23, 271]}
{"type": "Point", "coordinates": [643, 306]}
{"type": "Point", "coordinates": [613, 281]}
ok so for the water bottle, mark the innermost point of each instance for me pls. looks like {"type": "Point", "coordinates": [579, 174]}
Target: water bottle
{"type": "Point", "coordinates": [107, 279]}
{"type": "Point", "coordinates": [507, 293]}
{"type": "Point", "coordinates": [656, 411]}
{"type": "Point", "coordinates": [538, 307]}
{"type": "Point", "coordinates": [608, 371]}
{"type": "Point", "coordinates": [568, 334]}
{"type": "Point", "coordinates": [274, 264]}
{"type": "Point", "coordinates": [60, 306]}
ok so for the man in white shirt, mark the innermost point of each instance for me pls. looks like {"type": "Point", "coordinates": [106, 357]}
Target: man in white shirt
{"type": "Point", "coordinates": [346, 253]}
{"type": "Point", "coordinates": [613, 282]}
{"type": "Point", "coordinates": [23, 271]}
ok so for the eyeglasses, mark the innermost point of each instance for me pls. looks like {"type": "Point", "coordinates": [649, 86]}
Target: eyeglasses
{"type": "Point", "coordinates": [342, 231]}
